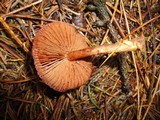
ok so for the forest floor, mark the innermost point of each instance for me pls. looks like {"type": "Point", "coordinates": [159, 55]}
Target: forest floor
{"type": "Point", "coordinates": [23, 96]}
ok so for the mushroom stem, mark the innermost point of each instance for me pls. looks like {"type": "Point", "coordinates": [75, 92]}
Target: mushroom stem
{"type": "Point", "coordinates": [123, 46]}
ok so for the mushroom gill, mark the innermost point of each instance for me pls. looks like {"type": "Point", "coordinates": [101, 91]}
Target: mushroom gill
{"type": "Point", "coordinates": [51, 45]}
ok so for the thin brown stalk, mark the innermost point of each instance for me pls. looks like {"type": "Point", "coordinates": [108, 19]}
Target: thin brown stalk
{"type": "Point", "coordinates": [18, 81]}
{"type": "Point", "coordinates": [30, 18]}
{"type": "Point", "coordinates": [153, 95]}
{"type": "Point", "coordinates": [2, 57]}
{"type": "Point", "coordinates": [11, 51]}
{"type": "Point", "coordinates": [152, 81]}
{"type": "Point", "coordinates": [23, 8]}
{"type": "Point", "coordinates": [20, 100]}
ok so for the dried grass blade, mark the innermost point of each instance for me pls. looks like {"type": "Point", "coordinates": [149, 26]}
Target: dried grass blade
{"type": "Point", "coordinates": [14, 36]}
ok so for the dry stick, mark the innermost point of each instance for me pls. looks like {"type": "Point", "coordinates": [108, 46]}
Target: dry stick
{"type": "Point", "coordinates": [18, 99]}
{"type": "Point", "coordinates": [23, 8]}
{"type": "Point", "coordinates": [18, 81]}
{"type": "Point", "coordinates": [2, 58]}
{"type": "Point", "coordinates": [139, 103]}
{"type": "Point", "coordinates": [119, 12]}
{"type": "Point", "coordinates": [136, 29]}
{"type": "Point", "coordinates": [69, 10]}
{"type": "Point", "coordinates": [115, 22]}
{"type": "Point", "coordinates": [104, 16]}
{"type": "Point", "coordinates": [153, 95]}
{"type": "Point", "coordinates": [14, 36]}
{"type": "Point", "coordinates": [124, 46]}
{"type": "Point", "coordinates": [30, 17]}
{"type": "Point", "coordinates": [7, 48]}
{"type": "Point", "coordinates": [59, 4]}
{"type": "Point", "coordinates": [47, 20]}
{"type": "Point", "coordinates": [128, 30]}
{"type": "Point", "coordinates": [101, 8]}
{"type": "Point", "coordinates": [123, 63]}
{"type": "Point", "coordinates": [152, 81]}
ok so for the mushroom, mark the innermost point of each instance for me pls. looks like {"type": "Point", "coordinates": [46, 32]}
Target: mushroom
{"type": "Point", "coordinates": [59, 53]}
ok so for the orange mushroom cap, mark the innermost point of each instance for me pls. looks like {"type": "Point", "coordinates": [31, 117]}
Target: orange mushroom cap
{"type": "Point", "coordinates": [51, 45]}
